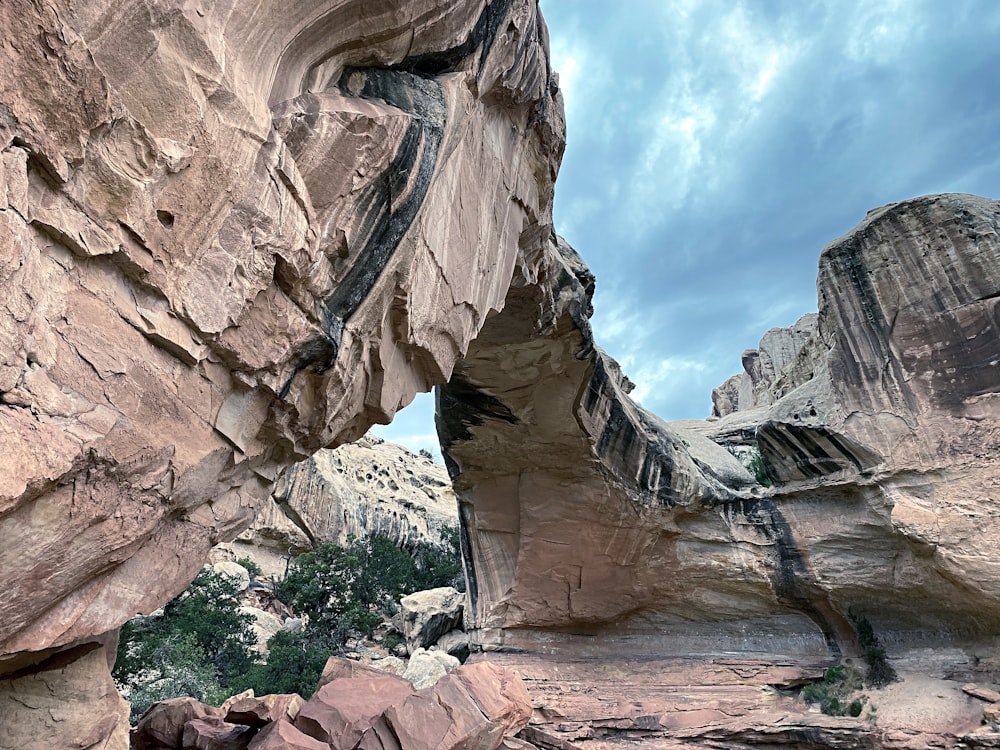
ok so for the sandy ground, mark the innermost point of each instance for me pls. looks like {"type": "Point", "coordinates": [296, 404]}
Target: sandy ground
{"type": "Point", "coordinates": [926, 704]}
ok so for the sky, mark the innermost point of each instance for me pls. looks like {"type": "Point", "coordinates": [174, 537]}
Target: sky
{"type": "Point", "coordinates": [714, 147]}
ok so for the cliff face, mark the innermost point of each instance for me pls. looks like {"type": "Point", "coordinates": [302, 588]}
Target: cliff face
{"type": "Point", "coordinates": [231, 236]}
{"type": "Point", "coordinates": [366, 487]}
{"type": "Point", "coordinates": [235, 234]}
{"type": "Point", "coordinates": [881, 441]}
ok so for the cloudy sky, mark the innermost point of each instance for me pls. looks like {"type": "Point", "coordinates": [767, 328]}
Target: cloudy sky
{"type": "Point", "coordinates": [714, 148]}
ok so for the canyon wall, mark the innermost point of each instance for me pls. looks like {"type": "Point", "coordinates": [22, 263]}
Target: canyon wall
{"type": "Point", "coordinates": [613, 532]}
{"type": "Point", "coordinates": [235, 234]}
{"type": "Point", "coordinates": [232, 234]}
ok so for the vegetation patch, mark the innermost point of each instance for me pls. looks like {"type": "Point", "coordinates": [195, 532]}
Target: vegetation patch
{"type": "Point", "coordinates": [834, 692]}
{"type": "Point", "coordinates": [754, 463]}
{"type": "Point", "coordinates": [199, 645]}
{"type": "Point", "coordinates": [879, 672]}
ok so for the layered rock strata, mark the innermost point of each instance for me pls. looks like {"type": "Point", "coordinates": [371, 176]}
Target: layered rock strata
{"type": "Point", "coordinates": [613, 532]}
{"type": "Point", "coordinates": [231, 238]}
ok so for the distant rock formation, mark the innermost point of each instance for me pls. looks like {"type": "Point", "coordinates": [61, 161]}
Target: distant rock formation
{"type": "Point", "coordinates": [367, 487]}
{"type": "Point", "coordinates": [779, 350]}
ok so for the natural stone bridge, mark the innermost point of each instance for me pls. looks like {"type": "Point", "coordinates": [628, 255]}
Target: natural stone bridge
{"type": "Point", "coordinates": [235, 233]}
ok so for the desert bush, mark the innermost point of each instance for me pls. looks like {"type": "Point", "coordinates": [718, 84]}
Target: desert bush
{"type": "Point", "coordinates": [879, 672]}
{"type": "Point", "coordinates": [196, 647]}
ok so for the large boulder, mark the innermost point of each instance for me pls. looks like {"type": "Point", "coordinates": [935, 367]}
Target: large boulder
{"type": "Point", "coordinates": [162, 725]}
{"type": "Point", "coordinates": [428, 615]}
{"type": "Point", "coordinates": [425, 668]}
{"type": "Point", "coordinates": [213, 733]}
{"type": "Point", "coordinates": [343, 710]}
{"type": "Point", "coordinates": [258, 712]}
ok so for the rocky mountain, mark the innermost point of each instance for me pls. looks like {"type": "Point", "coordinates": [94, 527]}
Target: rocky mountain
{"type": "Point", "coordinates": [236, 234]}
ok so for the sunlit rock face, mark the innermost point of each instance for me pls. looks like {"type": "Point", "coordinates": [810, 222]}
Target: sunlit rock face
{"type": "Point", "coordinates": [232, 234]}
{"type": "Point", "coordinates": [359, 489]}
{"type": "Point", "coordinates": [611, 532]}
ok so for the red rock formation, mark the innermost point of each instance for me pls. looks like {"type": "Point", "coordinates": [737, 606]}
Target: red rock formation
{"type": "Point", "coordinates": [230, 238]}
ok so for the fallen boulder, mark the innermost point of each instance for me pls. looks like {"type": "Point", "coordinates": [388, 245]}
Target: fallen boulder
{"type": "Point", "coordinates": [428, 615]}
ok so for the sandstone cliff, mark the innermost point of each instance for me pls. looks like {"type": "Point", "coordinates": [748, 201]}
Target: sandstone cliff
{"type": "Point", "coordinates": [366, 487]}
{"type": "Point", "coordinates": [231, 237]}
{"type": "Point", "coordinates": [615, 535]}
{"type": "Point", "coordinates": [235, 234]}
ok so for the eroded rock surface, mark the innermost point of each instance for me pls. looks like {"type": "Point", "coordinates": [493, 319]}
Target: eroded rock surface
{"type": "Point", "coordinates": [231, 238]}
{"type": "Point", "coordinates": [615, 533]}
{"type": "Point", "coordinates": [366, 487]}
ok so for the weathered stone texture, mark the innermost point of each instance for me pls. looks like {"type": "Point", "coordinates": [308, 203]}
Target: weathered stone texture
{"type": "Point", "coordinates": [362, 488]}
{"type": "Point", "coordinates": [614, 532]}
{"type": "Point", "coordinates": [229, 237]}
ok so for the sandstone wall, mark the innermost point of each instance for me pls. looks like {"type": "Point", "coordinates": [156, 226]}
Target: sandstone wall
{"type": "Point", "coordinates": [233, 234]}
{"type": "Point", "coordinates": [615, 533]}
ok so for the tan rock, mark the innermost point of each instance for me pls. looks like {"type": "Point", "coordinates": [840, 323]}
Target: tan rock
{"type": "Point", "coordinates": [68, 700]}
{"type": "Point", "coordinates": [984, 694]}
{"type": "Point", "coordinates": [783, 354]}
{"type": "Point", "coordinates": [425, 668]}
{"type": "Point", "coordinates": [428, 615]}
{"type": "Point", "coordinates": [367, 487]}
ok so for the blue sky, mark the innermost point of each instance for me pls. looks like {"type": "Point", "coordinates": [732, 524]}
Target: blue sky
{"type": "Point", "coordinates": [715, 147]}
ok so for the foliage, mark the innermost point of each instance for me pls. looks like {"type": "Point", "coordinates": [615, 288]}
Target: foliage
{"type": "Point", "coordinates": [294, 664]}
{"type": "Point", "coordinates": [250, 566]}
{"type": "Point", "coordinates": [200, 645]}
{"type": "Point", "coordinates": [879, 672]}
{"type": "Point", "coordinates": [426, 454]}
{"type": "Point", "coordinates": [196, 647]}
{"type": "Point", "coordinates": [833, 691]}
{"type": "Point", "coordinates": [754, 463]}
{"type": "Point", "coordinates": [348, 589]}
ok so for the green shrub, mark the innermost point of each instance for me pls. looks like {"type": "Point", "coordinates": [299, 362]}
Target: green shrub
{"type": "Point", "coordinates": [251, 567]}
{"type": "Point", "coordinates": [879, 672]}
{"type": "Point", "coordinates": [832, 692]}
{"type": "Point", "coordinates": [294, 664]}
{"type": "Point", "coordinates": [196, 647]}
{"type": "Point", "coordinates": [200, 645]}
{"type": "Point", "coordinates": [754, 463]}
